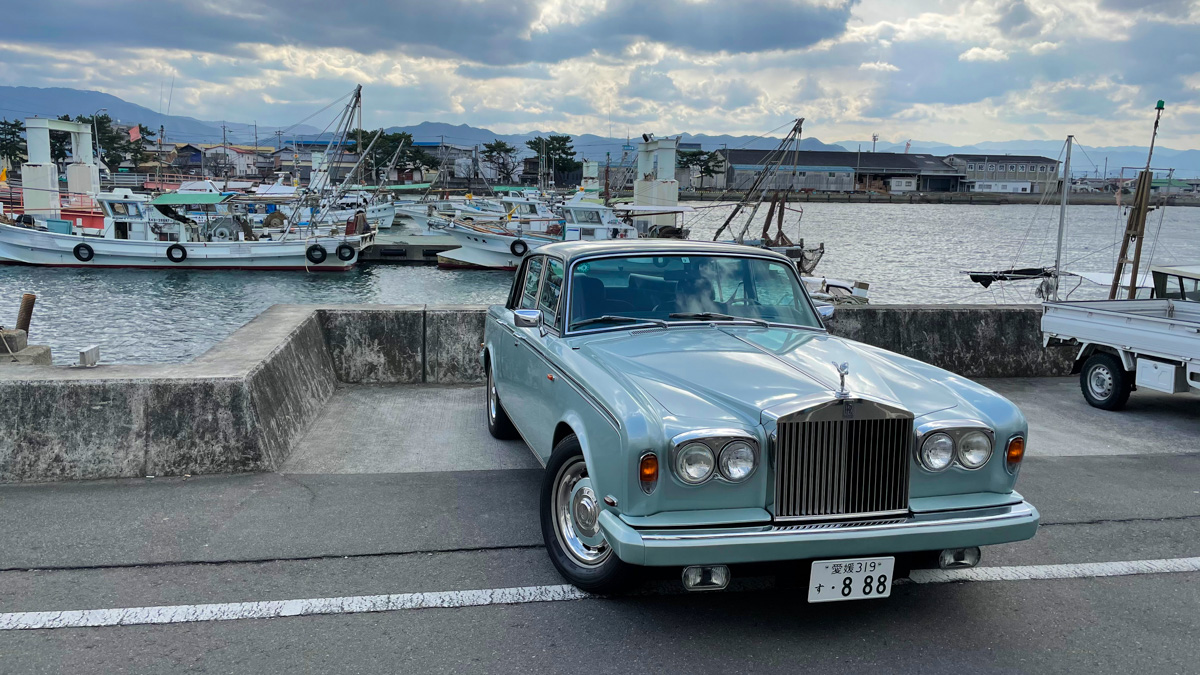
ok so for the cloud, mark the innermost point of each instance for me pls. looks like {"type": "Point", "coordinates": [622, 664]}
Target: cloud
{"type": "Point", "coordinates": [983, 54]}
{"type": "Point", "coordinates": [948, 70]}
{"type": "Point", "coordinates": [499, 33]}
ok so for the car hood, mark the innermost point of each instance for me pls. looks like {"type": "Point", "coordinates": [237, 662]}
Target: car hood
{"type": "Point", "coordinates": [731, 373]}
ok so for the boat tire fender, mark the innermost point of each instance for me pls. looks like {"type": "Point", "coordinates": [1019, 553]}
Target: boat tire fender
{"type": "Point", "coordinates": [316, 254]}
{"type": "Point", "coordinates": [345, 252]}
{"type": "Point", "coordinates": [519, 248]}
{"type": "Point", "coordinates": [84, 253]}
{"type": "Point", "coordinates": [176, 253]}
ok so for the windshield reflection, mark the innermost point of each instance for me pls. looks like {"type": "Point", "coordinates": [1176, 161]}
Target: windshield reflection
{"type": "Point", "coordinates": [607, 292]}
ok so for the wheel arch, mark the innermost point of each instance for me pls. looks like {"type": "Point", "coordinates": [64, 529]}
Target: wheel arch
{"type": "Point", "coordinates": [1128, 360]}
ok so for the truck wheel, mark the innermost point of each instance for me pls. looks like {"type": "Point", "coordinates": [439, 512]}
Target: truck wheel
{"type": "Point", "coordinates": [571, 527]}
{"type": "Point", "coordinates": [1105, 382]}
{"type": "Point", "coordinates": [499, 426]}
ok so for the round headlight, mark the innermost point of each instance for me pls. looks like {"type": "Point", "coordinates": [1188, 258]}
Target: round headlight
{"type": "Point", "coordinates": [736, 461]}
{"type": "Point", "coordinates": [695, 463]}
{"type": "Point", "coordinates": [937, 452]}
{"type": "Point", "coordinates": [974, 449]}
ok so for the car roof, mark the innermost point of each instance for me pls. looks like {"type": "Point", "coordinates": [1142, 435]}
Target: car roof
{"type": "Point", "coordinates": [572, 250]}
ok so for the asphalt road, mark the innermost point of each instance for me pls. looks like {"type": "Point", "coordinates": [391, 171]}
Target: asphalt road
{"type": "Point", "coordinates": [418, 528]}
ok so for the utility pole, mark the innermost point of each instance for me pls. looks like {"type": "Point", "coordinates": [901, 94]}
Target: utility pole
{"type": "Point", "coordinates": [225, 156]}
{"type": "Point", "coordinates": [874, 138]}
{"type": "Point", "coordinates": [256, 146]}
{"type": "Point", "coordinates": [607, 167]}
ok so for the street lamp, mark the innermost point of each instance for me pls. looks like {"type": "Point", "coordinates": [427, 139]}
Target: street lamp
{"type": "Point", "coordinates": [95, 135]}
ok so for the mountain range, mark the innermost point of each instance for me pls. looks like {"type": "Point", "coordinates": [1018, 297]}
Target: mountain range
{"type": "Point", "coordinates": [20, 102]}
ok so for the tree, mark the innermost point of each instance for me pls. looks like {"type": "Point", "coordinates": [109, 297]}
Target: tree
{"type": "Point", "coordinates": [710, 165]}
{"type": "Point", "coordinates": [557, 151]}
{"type": "Point", "coordinates": [706, 164]}
{"type": "Point", "coordinates": [113, 144]}
{"type": "Point", "coordinates": [410, 157]}
{"type": "Point", "coordinates": [502, 157]}
{"type": "Point", "coordinates": [135, 151]}
{"type": "Point", "coordinates": [12, 144]}
{"type": "Point", "coordinates": [60, 142]}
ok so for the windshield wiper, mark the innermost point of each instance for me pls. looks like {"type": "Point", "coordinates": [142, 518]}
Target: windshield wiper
{"type": "Point", "coordinates": [614, 318]}
{"type": "Point", "coordinates": [717, 316]}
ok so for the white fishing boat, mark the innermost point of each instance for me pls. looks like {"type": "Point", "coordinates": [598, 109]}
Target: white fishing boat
{"type": "Point", "coordinates": [142, 233]}
{"type": "Point", "coordinates": [501, 244]}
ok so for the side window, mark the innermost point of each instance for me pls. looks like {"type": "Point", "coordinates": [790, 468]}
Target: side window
{"type": "Point", "coordinates": [529, 288]}
{"type": "Point", "coordinates": [551, 290]}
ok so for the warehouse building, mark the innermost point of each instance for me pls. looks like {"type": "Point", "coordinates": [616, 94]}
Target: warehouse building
{"type": "Point", "coordinates": [833, 171]}
{"type": "Point", "coordinates": [1006, 173]}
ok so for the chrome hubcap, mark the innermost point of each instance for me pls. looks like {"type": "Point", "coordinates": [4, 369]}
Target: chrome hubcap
{"type": "Point", "coordinates": [577, 516]}
{"type": "Point", "coordinates": [1100, 381]}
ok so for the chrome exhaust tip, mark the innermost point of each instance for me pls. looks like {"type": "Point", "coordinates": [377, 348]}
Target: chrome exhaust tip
{"type": "Point", "coordinates": [958, 558]}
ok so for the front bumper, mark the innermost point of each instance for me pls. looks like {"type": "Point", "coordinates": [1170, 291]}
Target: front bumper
{"type": "Point", "coordinates": [764, 543]}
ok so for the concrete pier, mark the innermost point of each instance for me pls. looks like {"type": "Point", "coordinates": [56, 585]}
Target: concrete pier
{"type": "Point", "coordinates": [246, 404]}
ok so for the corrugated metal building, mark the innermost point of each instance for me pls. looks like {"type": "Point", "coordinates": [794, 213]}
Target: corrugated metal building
{"type": "Point", "coordinates": [815, 170]}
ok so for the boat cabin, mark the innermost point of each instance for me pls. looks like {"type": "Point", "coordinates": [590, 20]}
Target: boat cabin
{"type": "Point", "coordinates": [582, 220]}
{"type": "Point", "coordinates": [1177, 282]}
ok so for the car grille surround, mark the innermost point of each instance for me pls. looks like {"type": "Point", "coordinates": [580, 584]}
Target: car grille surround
{"type": "Point", "coordinates": [844, 459]}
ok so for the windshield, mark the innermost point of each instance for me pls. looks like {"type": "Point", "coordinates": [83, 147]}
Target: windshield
{"type": "Point", "coordinates": [617, 291]}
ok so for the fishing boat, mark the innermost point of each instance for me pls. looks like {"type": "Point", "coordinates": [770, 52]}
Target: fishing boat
{"type": "Point", "coordinates": [141, 232]}
{"type": "Point", "coordinates": [528, 225]}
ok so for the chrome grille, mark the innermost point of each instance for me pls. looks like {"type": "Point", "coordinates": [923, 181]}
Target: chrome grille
{"type": "Point", "coordinates": [829, 469]}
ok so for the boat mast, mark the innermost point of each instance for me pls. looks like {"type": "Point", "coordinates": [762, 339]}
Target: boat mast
{"type": "Point", "coordinates": [1062, 216]}
{"type": "Point", "coordinates": [1135, 229]}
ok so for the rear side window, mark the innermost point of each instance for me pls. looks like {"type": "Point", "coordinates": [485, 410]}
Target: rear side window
{"type": "Point", "coordinates": [529, 288]}
{"type": "Point", "coordinates": [551, 290]}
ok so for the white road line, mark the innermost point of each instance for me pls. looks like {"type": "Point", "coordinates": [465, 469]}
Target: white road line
{"type": "Point", "coordinates": [270, 609]}
{"type": "Point", "coordinates": [1068, 571]}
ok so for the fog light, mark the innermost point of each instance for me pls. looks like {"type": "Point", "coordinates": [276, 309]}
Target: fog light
{"type": "Point", "coordinates": [705, 577]}
{"type": "Point", "coordinates": [958, 558]}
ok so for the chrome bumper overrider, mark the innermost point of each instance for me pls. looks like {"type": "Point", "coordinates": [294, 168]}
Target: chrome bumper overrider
{"type": "Point", "coordinates": [918, 532]}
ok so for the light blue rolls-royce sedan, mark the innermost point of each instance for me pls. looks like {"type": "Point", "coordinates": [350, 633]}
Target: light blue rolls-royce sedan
{"type": "Point", "coordinates": [692, 411]}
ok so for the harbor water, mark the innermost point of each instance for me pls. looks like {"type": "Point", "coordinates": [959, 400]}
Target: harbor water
{"type": "Point", "coordinates": [908, 253]}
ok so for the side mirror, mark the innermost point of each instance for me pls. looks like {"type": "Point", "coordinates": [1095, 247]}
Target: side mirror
{"type": "Point", "coordinates": [826, 311]}
{"type": "Point", "coordinates": [527, 318]}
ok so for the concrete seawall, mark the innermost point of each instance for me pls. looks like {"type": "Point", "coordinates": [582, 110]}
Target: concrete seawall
{"type": "Point", "coordinates": [242, 405]}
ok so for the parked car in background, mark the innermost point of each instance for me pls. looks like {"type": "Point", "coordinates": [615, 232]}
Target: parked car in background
{"type": "Point", "coordinates": [692, 411]}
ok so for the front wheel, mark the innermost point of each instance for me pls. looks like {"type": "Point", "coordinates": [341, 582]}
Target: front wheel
{"type": "Point", "coordinates": [1105, 382]}
{"type": "Point", "coordinates": [499, 425]}
{"type": "Point", "coordinates": [571, 530]}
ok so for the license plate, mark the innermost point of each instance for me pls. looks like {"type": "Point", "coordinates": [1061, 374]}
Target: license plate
{"type": "Point", "coordinates": [854, 579]}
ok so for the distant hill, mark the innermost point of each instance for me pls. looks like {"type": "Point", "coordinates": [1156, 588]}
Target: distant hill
{"type": "Point", "coordinates": [22, 102]}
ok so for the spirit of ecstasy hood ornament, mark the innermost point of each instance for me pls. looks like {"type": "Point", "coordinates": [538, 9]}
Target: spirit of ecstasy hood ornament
{"type": "Point", "coordinates": [843, 370]}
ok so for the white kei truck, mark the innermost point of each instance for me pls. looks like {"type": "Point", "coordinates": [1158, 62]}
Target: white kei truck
{"type": "Point", "coordinates": [1151, 343]}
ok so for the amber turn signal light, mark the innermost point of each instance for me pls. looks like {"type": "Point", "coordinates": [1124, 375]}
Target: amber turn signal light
{"type": "Point", "coordinates": [1015, 453]}
{"type": "Point", "coordinates": [648, 472]}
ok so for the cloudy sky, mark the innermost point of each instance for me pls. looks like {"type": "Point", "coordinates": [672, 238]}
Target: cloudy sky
{"type": "Point", "coordinates": [954, 71]}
